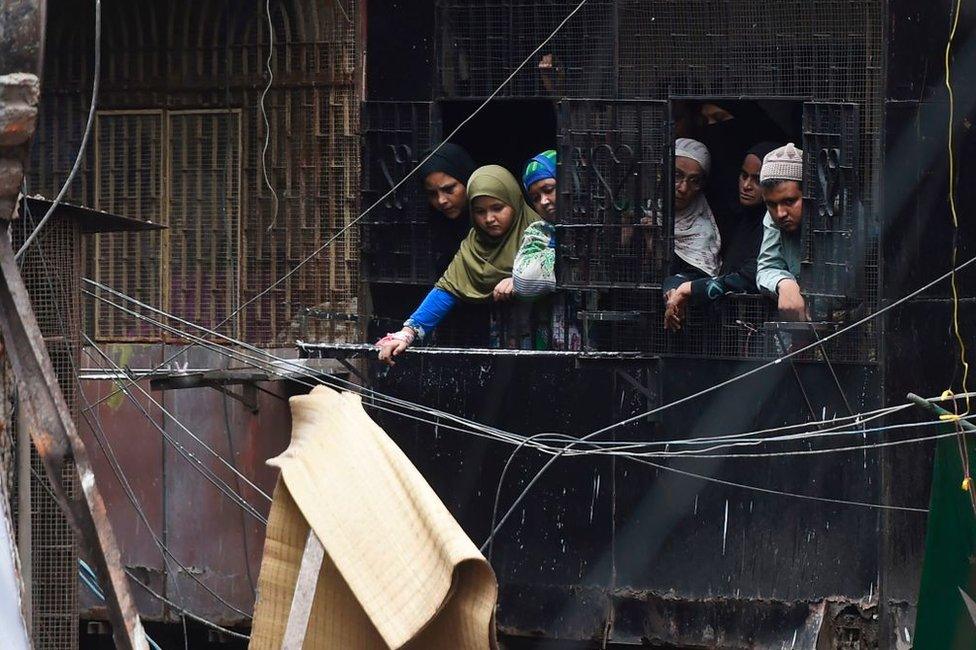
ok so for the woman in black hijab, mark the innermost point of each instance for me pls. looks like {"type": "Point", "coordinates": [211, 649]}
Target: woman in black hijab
{"type": "Point", "coordinates": [444, 178]}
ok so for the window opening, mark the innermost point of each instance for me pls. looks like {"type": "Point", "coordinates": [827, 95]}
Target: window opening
{"type": "Point", "coordinates": [407, 244]}
{"type": "Point", "coordinates": [733, 326]}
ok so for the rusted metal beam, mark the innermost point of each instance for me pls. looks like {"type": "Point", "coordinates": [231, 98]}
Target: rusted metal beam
{"type": "Point", "coordinates": [56, 439]}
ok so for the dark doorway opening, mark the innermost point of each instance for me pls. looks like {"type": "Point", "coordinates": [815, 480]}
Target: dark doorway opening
{"type": "Point", "coordinates": [506, 132]}
{"type": "Point", "coordinates": [729, 127]}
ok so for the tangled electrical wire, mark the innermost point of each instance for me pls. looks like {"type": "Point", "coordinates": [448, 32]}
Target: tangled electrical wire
{"type": "Point", "coordinates": [56, 285]}
{"type": "Point", "coordinates": [553, 444]}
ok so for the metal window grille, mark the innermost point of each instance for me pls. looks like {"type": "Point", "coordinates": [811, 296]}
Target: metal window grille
{"type": "Point", "coordinates": [207, 57]}
{"type": "Point", "coordinates": [831, 235]}
{"type": "Point", "coordinates": [398, 254]}
{"type": "Point", "coordinates": [129, 159]}
{"type": "Point", "coordinates": [317, 178]}
{"type": "Point", "coordinates": [51, 269]}
{"type": "Point", "coordinates": [614, 193]}
{"type": "Point", "coordinates": [825, 51]}
{"type": "Point", "coordinates": [203, 210]}
{"type": "Point", "coordinates": [615, 232]}
{"type": "Point", "coordinates": [396, 233]}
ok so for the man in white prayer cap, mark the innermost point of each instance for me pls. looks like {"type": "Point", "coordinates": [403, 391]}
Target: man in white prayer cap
{"type": "Point", "coordinates": [778, 270]}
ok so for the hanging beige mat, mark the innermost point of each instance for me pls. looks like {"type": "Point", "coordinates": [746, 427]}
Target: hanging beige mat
{"type": "Point", "coordinates": [397, 571]}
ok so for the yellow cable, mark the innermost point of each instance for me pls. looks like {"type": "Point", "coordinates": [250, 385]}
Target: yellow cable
{"type": "Point", "coordinates": [952, 207]}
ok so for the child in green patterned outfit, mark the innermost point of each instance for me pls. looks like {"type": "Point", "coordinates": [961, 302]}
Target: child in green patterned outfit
{"type": "Point", "coordinates": [534, 271]}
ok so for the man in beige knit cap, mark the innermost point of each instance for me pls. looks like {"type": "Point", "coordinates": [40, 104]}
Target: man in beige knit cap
{"type": "Point", "coordinates": [778, 271]}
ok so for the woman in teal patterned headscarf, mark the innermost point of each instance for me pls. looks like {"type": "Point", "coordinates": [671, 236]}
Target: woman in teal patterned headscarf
{"type": "Point", "coordinates": [534, 271]}
{"type": "Point", "coordinates": [539, 181]}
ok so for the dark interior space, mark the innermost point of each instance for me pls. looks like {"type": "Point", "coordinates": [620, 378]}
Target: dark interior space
{"type": "Point", "coordinates": [400, 50]}
{"type": "Point", "coordinates": [505, 132]}
{"type": "Point", "coordinates": [729, 128]}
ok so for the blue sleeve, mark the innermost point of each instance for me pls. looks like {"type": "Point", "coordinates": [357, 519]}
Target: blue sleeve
{"type": "Point", "coordinates": [431, 311]}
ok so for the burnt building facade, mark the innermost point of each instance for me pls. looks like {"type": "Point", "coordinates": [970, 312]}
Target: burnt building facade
{"type": "Point", "coordinates": [612, 549]}
{"type": "Point", "coordinates": [698, 552]}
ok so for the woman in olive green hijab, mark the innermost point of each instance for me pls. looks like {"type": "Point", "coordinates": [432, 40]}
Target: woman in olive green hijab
{"type": "Point", "coordinates": [482, 268]}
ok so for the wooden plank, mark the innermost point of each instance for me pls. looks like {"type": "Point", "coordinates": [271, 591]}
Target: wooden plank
{"type": "Point", "coordinates": [301, 603]}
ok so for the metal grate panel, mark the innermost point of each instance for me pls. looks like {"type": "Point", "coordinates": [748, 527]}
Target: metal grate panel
{"type": "Point", "coordinates": [716, 48]}
{"type": "Point", "coordinates": [313, 161]}
{"type": "Point", "coordinates": [480, 42]}
{"type": "Point", "coordinates": [398, 253]}
{"type": "Point", "coordinates": [395, 136]}
{"type": "Point", "coordinates": [129, 181]}
{"type": "Point", "coordinates": [839, 240]}
{"type": "Point", "coordinates": [731, 328]}
{"type": "Point", "coordinates": [396, 234]}
{"type": "Point", "coordinates": [614, 194]}
{"type": "Point", "coordinates": [831, 233]}
{"type": "Point", "coordinates": [51, 269]}
{"type": "Point", "coordinates": [55, 145]}
{"type": "Point", "coordinates": [614, 233]}
{"type": "Point", "coordinates": [204, 215]}
{"type": "Point", "coordinates": [165, 59]}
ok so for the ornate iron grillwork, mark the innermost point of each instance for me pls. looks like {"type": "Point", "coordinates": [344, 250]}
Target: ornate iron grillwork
{"type": "Point", "coordinates": [615, 227]}
{"type": "Point", "coordinates": [396, 233]}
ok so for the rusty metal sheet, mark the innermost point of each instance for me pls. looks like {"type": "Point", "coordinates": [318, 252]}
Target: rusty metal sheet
{"type": "Point", "coordinates": [55, 437]}
{"type": "Point", "coordinates": [201, 526]}
{"type": "Point", "coordinates": [139, 449]}
{"type": "Point", "coordinates": [211, 534]}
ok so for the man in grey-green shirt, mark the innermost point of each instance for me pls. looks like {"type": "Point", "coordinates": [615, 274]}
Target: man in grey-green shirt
{"type": "Point", "coordinates": [778, 264]}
